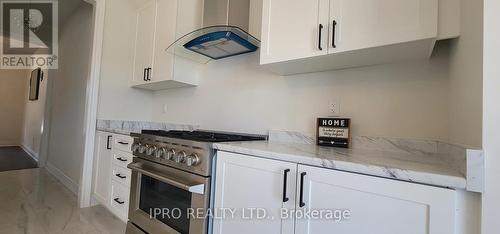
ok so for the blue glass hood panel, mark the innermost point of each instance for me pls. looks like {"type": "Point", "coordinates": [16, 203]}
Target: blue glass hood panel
{"type": "Point", "coordinates": [218, 45]}
{"type": "Point", "coordinates": [214, 42]}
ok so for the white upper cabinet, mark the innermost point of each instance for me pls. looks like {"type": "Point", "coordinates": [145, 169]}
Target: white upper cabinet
{"type": "Point", "coordinates": [166, 13]}
{"type": "Point", "coordinates": [144, 42]}
{"type": "Point", "coordinates": [300, 36]}
{"type": "Point", "coordinates": [294, 29]}
{"type": "Point", "coordinates": [158, 23]}
{"type": "Point", "coordinates": [360, 24]}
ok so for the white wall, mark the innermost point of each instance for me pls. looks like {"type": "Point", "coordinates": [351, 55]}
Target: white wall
{"type": "Point", "coordinates": [66, 135]}
{"type": "Point", "coordinates": [465, 97]}
{"type": "Point", "coordinates": [13, 95]}
{"type": "Point", "coordinates": [116, 99]}
{"type": "Point", "coordinates": [399, 100]}
{"type": "Point", "coordinates": [491, 117]}
{"type": "Point", "coordinates": [466, 75]}
{"type": "Point", "coordinates": [34, 119]}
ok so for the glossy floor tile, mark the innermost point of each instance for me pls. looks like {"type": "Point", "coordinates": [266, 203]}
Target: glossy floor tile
{"type": "Point", "coordinates": [34, 202]}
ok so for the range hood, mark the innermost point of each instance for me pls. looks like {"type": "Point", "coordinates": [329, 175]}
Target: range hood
{"type": "Point", "coordinates": [224, 33]}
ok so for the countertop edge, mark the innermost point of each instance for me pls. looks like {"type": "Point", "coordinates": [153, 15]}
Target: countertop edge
{"type": "Point", "coordinates": [448, 181]}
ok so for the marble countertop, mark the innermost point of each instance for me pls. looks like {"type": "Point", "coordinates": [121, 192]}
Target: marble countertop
{"type": "Point", "coordinates": [420, 161]}
{"type": "Point", "coordinates": [433, 168]}
{"type": "Point", "coordinates": [126, 127]}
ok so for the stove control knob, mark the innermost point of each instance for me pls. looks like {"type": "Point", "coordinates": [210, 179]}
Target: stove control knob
{"type": "Point", "coordinates": [135, 147]}
{"type": "Point", "coordinates": [192, 160]}
{"type": "Point", "coordinates": [161, 152]}
{"type": "Point", "coordinates": [180, 157]}
{"type": "Point", "coordinates": [142, 148]}
{"type": "Point", "coordinates": [170, 154]}
{"type": "Point", "coordinates": [151, 150]}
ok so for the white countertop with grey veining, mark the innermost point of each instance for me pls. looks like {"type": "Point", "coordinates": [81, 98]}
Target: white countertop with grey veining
{"type": "Point", "coordinates": [126, 127]}
{"type": "Point", "coordinates": [433, 168]}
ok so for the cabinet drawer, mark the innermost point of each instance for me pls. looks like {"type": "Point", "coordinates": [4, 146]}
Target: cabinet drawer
{"type": "Point", "coordinates": [121, 158]}
{"type": "Point", "coordinates": [121, 175]}
{"type": "Point", "coordinates": [119, 199]}
{"type": "Point", "coordinates": [123, 143]}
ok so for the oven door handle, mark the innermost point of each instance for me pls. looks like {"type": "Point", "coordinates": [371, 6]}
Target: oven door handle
{"type": "Point", "coordinates": [196, 188]}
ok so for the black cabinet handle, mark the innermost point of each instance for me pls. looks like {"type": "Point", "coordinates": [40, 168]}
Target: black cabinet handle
{"type": "Point", "coordinates": [148, 76]}
{"type": "Point", "coordinates": [121, 159]}
{"type": "Point", "coordinates": [285, 174]}
{"type": "Point", "coordinates": [122, 143]}
{"type": "Point", "coordinates": [120, 176]}
{"type": "Point", "coordinates": [118, 201]}
{"type": "Point", "coordinates": [334, 25]}
{"type": "Point", "coordinates": [108, 144]}
{"type": "Point", "coordinates": [144, 75]}
{"type": "Point", "coordinates": [301, 201]}
{"type": "Point", "coordinates": [319, 38]}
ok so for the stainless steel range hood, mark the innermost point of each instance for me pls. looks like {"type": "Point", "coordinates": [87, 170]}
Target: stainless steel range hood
{"type": "Point", "coordinates": [224, 33]}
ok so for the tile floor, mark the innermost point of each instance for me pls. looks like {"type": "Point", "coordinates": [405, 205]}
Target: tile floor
{"type": "Point", "coordinates": [34, 202]}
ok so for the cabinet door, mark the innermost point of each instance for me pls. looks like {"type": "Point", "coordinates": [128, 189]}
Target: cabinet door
{"type": "Point", "coordinates": [247, 182]}
{"type": "Point", "coordinates": [291, 29]}
{"type": "Point", "coordinates": [144, 41]}
{"type": "Point", "coordinates": [376, 205]}
{"type": "Point", "coordinates": [102, 166]}
{"type": "Point", "coordinates": [370, 23]}
{"type": "Point", "coordinates": [166, 18]}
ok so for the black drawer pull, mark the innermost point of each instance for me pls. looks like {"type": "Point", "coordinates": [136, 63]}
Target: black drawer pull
{"type": "Point", "coordinates": [334, 25]}
{"type": "Point", "coordinates": [148, 76]}
{"type": "Point", "coordinates": [120, 176]}
{"type": "Point", "coordinates": [117, 200]}
{"type": "Point", "coordinates": [108, 145]}
{"type": "Point", "coordinates": [122, 143]}
{"type": "Point", "coordinates": [319, 38]}
{"type": "Point", "coordinates": [144, 75]}
{"type": "Point", "coordinates": [121, 159]}
{"type": "Point", "coordinates": [285, 174]}
{"type": "Point", "coordinates": [301, 201]}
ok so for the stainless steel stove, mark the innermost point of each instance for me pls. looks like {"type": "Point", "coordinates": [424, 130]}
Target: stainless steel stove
{"type": "Point", "coordinates": [172, 172]}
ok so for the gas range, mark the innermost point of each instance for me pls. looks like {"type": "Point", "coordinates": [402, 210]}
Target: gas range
{"type": "Point", "coordinates": [190, 151]}
{"type": "Point", "coordinates": [172, 170]}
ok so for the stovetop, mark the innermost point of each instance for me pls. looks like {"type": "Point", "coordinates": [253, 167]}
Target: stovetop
{"type": "Point", "coordinates": [205, 136]}
{"type": "Point", "coordinates": [190, 151]}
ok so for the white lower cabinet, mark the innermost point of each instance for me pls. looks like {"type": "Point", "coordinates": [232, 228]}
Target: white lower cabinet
{"type": "Point", "coordinates": [247, 182]}
{"type": "Point", "coordinates": [111, 187]}
{"type": "Point", "coordinates": [343, 202]}
{"type": "Point", "coordinates": [102, 165]}
{"type": "Point", "coordinates": [374, 205]}
{"type": "Point", "coordinates": [119, 198]}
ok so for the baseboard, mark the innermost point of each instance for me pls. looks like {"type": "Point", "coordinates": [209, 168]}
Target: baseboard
{"type": "Point", "coordinates": [63, 178]}
{"type": "Point", "coordinates": [30, 152]}
{"type": "Point", "coordinates": [94, 201]}
{"type": "Point", "coordinates": [8, 143]}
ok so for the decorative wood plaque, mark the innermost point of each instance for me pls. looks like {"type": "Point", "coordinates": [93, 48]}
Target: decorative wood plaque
{"type": "Point", "coordinates": [334, 132]}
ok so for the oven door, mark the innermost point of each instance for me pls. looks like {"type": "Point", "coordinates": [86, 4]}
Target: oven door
{"type": "Point", "coordinates": [161, 196]}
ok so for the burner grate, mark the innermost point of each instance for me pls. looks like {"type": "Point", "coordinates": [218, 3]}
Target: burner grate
{"type": "Point", "coordinates": [205, 136]}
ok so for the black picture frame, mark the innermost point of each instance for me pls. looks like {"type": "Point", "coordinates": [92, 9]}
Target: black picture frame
{"type": "Point", "coordinates": [35, 80]}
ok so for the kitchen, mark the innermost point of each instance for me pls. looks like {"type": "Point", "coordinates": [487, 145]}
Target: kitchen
{"type": "Point", "coordinates": [411, 107]}
{"type": "Point", "coordinates": [232, 127]}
